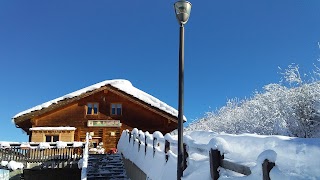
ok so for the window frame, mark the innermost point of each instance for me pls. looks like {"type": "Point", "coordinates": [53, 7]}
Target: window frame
{"type": "Point", "coordinates": [51, 137]}
{"type": "Point", "coordinates": [116, 109]}
{"type": "Point", "coordinates": [92, 108]}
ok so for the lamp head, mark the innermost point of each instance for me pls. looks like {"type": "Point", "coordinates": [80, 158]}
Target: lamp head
{"type": "Point", "coordinates": [182, 9]}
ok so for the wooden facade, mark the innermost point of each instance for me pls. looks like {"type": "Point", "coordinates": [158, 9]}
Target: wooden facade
{"type": "Point", "coordinates": [104, 112]}
{"type": "Point", "coordinates": [61, 135]}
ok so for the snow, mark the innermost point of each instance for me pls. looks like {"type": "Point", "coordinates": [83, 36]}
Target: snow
{"type": "Point", "coordinates": [44, 145]}
{"type": "Point", "coordinates": [219, 144]}
{"type": "Point", "coordinates": [77, 144]}
{"type": "Point", "coordinates": [4, 144]}
{"type": "Point", "coordinates": [157, 135]}
{"type": "Point", "coordinates": [83, 163]}
{"type": "Point", "coordinates": [141, 135]}
{"type": "Point", "coordinates": [61, 144]}
{"type": "Point", "coordinates": [295, 158]}
{"type": "Point", "coordinates": [80, 164]}
{"type": "Point", "coordinates": [15, 165]}
{"type": "Point", "coordinates": [97, 150]}
{"type": "Point", "coordinates": [4, 163]}
{"type": "Point", "coordinates": [270, 155]}
{"type": "Point", "coordinates": [25, 145]}
{"type": "Point", "coordinates": [169, 137]}
{"type": "Point", "coordinates": [52, 129]}
{"type": "Point", "coordinates": [135, 131]}
{"type": "Point", "coordinates": [4, 174]}
{"type": "Point", "coordinates": [122, 85]}
{"type": "Point", "coordinates": [40, 145]}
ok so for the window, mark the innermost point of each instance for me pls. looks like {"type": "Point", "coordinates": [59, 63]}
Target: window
{"type": "Point", "coordinates": [94, 143]}
{"type": "Point", "coordinates": [52, 138]}
{"type": "Point", "coordinates": [116, 109]}
{"type": "Point", "coordinates": [92, 108]}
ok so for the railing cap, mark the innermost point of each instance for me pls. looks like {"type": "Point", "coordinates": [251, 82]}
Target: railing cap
{"type": "Point", "coordinates": [269, 154]}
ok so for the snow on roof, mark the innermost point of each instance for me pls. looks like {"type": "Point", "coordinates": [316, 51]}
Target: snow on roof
{"type": "Point", "coordinates": [121, 84]}
{"type": "Point", "coordinates": [52, 129]}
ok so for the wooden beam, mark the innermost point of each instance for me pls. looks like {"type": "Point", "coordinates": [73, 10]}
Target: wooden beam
{"type": "Point", "coordinates": [266, 168]}
{"type": "Point", "coordinates": [235, 167]}
{"type": "Point", "coordinates": [215, 163]}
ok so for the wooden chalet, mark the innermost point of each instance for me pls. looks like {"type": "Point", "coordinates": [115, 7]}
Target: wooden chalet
{"type": "Point", "coordinates": [103, 110]}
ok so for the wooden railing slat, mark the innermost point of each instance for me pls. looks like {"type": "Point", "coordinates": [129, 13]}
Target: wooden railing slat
{"type": "Point", "coordinates": [145, 145]}
{"type": "Point", "coordinates": [245, 170]}
{"type": "Point", "coordinates": [166, 149]}
{"type": "Point", "coordinates": [186, 155]}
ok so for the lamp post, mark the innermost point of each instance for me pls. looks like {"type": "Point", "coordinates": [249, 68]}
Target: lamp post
{"type": "Point", "coordinates": [182, 9]}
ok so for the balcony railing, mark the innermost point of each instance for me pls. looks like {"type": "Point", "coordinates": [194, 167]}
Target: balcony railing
{"type": "Point", "coordinates": [41, 152]}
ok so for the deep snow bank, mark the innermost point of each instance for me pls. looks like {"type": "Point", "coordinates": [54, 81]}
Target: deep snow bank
{"type": "Point", "coordinates": [295, 158]}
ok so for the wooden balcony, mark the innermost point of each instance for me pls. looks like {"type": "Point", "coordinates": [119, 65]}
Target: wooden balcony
{"type": "Point", "coordinates": [35, 153]}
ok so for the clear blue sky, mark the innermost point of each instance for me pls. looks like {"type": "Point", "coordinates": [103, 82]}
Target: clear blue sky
{"type": "Point", "coordinates": [232, 47]}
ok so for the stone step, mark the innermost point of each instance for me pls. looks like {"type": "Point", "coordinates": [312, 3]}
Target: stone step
{"type": "Point", "coordinates": [106, 166]}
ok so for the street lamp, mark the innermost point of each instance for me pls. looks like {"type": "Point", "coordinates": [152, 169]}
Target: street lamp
{"type": "Point", "coordinates": [182, 9]}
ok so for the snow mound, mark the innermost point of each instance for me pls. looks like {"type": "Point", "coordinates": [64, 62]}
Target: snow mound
{"type": "Point", "coordinates": [61, 145]}
{"type": "Point", "coordinates": [15, 165]}
{"type": "Point", "coordinates": [44, 145]}
{"type": "Point", "coordinates": [270, 155]}
{"type": "Point", "coordinates": [219, 144]}
{"type": "Point", "coordinates": [294, 158]}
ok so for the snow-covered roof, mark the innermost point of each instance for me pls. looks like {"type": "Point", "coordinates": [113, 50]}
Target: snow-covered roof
{"type": "Point", "coordinates": [52, 129]}
{"type": "Point", "coordinates": [121, 84]}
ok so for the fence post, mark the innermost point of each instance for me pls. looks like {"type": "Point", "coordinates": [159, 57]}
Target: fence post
{"type": "Point", "coordinates": [145, 145]}
{"type": "Point", "coordinates": [129, 136]}
{"type": "Point", "coordinates": [266, 168]}
{"type": "Point", "coordinates": [186, 155]}
{"type": "Point", "coordinates": [154, 145]}
{"type": "Point", "coordinates": [139, 143]}
{"type": "Point", "coordinates": [166, 149]}
{"type": "Point", "coordinates": [215, 163]}
{"type": "Point", "coordinates": [134, 137]}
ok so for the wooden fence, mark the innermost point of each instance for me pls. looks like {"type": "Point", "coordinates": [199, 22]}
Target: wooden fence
{"type": "Point", "coordinates": [32, 154]}
{"type": "Point", "coordinates": [216, 159]}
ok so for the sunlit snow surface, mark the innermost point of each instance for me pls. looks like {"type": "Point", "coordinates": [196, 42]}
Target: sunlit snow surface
{"type": "Point", "coordinates": [295, 158]}
{"type": "Point", "coordinates": [52, 129]}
